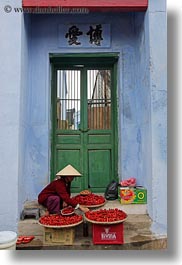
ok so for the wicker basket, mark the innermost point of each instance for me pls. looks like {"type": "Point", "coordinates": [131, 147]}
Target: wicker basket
{"type": "Point", "coordinates": [105, 223]}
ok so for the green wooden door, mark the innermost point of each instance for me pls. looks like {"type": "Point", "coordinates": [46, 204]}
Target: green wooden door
{"type": "Point", "coordinates": [84, 120]}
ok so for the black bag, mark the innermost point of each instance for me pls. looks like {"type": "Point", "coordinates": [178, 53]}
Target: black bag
{"type": "Point", "coordinates": [111, 192]}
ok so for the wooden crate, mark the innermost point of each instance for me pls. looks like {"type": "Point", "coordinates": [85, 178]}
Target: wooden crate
{"type": "Point", "coordinates": [58, 236]}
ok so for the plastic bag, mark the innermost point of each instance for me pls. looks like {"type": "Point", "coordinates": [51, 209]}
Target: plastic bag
{"type": "Point", "coordinates": [111, 192]}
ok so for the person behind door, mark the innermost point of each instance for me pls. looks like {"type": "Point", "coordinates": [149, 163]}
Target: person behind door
{"type": "Point", "coordinates": [56, 195]}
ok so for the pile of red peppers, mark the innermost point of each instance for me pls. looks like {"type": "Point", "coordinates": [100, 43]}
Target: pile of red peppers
{"type": "Point", "coordinates": [106, 215]}
{"type": "Point", "coordinates": [68, 210]}
{"type": "Point", "coordinates": [59, 220]}
{"type": "Point", "coordinates": [90, 199]}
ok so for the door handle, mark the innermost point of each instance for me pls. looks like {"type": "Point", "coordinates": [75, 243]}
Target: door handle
{"type": "Point", "coordinates": [84, 130]}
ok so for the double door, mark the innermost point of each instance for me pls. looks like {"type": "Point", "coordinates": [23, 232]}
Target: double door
{"type": "Point", "coordinates": [84, 121]}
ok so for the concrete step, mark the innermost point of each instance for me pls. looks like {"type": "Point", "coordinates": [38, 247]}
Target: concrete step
{"type": "Point", "coordinates": [137, 232]}
{"type": "Point", "coordinates": [133, 222]}
{"type": "Point", "coordinates": [137, 235]}
{"type": "Point", "coordinates": [137, 218]}
{"type": "Point", "coordinates": [128, 208]}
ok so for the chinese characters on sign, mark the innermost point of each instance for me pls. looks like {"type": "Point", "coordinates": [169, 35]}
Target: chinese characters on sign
{"type": "Point", "coordinates": [94, 33]}
{"type": "Point", "coordinates": [84, 35]}
{"type": "Point", "coordinates": [72, 35]}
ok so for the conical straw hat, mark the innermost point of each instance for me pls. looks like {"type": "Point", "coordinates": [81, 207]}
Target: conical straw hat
{"type": "Point", "coordinates": [68, 171]}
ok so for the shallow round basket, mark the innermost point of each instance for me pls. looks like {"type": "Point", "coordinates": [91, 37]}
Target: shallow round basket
{"type": "Point", "coordinates": [94, 205]}
{"type": "Point", "coordinates": [82, 194]}
{"type": "Point", "coordinates": [106, 223]}
{"type": "Point", "coordinates": [66, 214]}
{"type": "Point", "coordinates": [61, 226]}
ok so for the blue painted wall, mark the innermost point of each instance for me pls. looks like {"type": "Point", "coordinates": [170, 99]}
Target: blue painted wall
{"type": "Point", "coordinates": [140, 39]}
{"type": "Point", "coordinates": [10, 93]}
{"type": "Point", "coordinates": [157, 30]}
{"type": "Point", "coordinates": [44, 39]}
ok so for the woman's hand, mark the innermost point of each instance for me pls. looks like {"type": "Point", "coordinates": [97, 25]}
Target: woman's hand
{"type": "Point", "coordinates": [83, 208]}
{"type": "Point", "coordinates": [64, 204]}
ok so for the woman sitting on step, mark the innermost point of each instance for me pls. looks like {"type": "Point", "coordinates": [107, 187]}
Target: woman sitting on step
{"type": "Point", "coordinates": [56, 195]}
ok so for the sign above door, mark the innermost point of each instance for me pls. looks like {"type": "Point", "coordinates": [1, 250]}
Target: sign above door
{"type": "Point", "coordinates": [84, 36]}
{"type": "Point", "coordinates": [91, 5]}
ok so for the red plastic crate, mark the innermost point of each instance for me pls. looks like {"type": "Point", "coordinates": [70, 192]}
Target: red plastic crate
{"type": "Point", "coordinates": [108, 234]}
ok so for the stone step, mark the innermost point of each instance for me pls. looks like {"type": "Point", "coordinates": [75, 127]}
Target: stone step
{"type": "Point", "coordinates": [137, 235]}
{"type": "Point", "coordinates": [137, 218]}
{"type": "Point", "coordinates": [128, 208]}
{"type": "Point", "coordinates": [30, 227]}
{"type": "Point", "coordinates": [133, 222]}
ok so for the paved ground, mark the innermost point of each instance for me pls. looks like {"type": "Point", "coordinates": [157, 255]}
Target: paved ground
{"type": "Point", "coordinates": [137, 232]}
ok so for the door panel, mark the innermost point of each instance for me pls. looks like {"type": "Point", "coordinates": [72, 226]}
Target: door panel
{"type": "Point", "coordinates": [72, 156]}
{"type": "Point", "coordinates": [68, 139]}
{"type": "Point", "coordinates": [99, 139]}
{"type": "Point", "coordinates": [84, 131]}
{"type": "Point", "coordinates": [65, 157]}
{"type": "Point", "coordinates": [99, 164]}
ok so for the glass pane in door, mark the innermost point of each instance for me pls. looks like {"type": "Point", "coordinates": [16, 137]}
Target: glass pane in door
{"type": "Point", "coordinates": [68, 99]}
{"type": "Point", "coordinates": [99, 99]}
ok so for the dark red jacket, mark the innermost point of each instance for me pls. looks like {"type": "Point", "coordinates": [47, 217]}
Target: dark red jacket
{"type": "Point", "coordinates": [57, 187]}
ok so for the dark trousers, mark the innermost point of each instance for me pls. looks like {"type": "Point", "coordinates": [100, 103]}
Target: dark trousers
{"type": "Point", "coordinates": [53, 204]}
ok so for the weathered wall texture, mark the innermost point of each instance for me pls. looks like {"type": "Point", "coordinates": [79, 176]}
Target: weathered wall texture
{"type": "Point", "coordinates": [44, 39]}
{"type": "Point", "coordinates": [157, 29]}
{"type": "Point", "coordinates": [10, 76]}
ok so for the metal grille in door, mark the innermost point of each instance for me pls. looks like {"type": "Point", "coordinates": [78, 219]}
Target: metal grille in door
{"type": "Point", "coordinates": [99, 99]}
{"type": "Point", "coordinates": [68, 99]}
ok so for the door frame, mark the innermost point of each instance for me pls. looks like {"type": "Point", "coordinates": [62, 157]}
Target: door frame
{"type": "Point", "coordinates": [68, 61]}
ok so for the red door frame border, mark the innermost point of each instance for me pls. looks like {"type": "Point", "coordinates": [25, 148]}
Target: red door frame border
{"type": "Point", "coordinates": [93, 5]}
